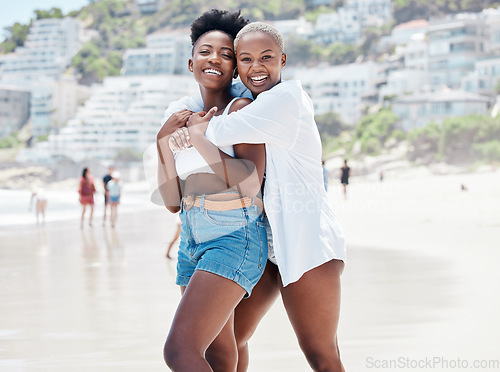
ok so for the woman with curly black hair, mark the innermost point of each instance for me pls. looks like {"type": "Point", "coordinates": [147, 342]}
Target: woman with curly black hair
{"type": "Point", "coordinates": [223, 249]}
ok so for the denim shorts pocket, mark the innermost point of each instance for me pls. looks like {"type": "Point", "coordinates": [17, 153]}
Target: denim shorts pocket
{"type": "Point", "coordinates": [235, 217]}
{"type": "Point", "coordinates": [262, 232]}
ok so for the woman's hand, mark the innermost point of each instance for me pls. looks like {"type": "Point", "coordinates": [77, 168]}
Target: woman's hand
{"type": "Point", "coordinates": [175, 121]}
{"type": "Point", "coordinates": [179, 140]}
{"type": "Point", "coordinates": [198, 122]}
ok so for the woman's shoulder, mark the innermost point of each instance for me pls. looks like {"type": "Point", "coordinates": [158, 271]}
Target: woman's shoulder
{"type": "Point", "coordinates": [239, 104]}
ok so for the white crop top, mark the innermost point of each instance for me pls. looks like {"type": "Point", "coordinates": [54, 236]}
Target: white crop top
{"type": "Point", "coordinates": [189, 161]}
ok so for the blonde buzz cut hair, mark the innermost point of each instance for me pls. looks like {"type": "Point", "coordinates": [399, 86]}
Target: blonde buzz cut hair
{"type": "Point", "coordinates": [264, 28]}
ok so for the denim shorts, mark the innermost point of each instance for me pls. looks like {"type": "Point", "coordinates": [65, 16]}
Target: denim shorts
{"type": "Point", "coordinates": [232, 244]}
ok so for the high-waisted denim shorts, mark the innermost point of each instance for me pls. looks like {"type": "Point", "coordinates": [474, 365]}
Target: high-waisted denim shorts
{"type": "Point", "coordinates": [232, 244]}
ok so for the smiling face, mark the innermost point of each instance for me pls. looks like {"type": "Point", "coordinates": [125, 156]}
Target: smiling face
{"type": "Point", "coordinates": [213, 60]}
{"type": "Point", "coordinates": [260, 61]}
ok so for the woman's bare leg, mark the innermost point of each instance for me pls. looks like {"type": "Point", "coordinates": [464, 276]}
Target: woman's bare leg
{"type": "Point", "coordinates": [113, 213]}
{"type": "Point", "coordinates": [313, 306]}
{"type": "Point", "coordinates": [91, 214]}
{"type": "Point", "coordinates": [222, 354]}
{"type": "Point", "coordinates": [84, 206]}
{"type": "Point", "coordinates": [205, 308]}
{"type": "Point", "coordinates": [250, 312]}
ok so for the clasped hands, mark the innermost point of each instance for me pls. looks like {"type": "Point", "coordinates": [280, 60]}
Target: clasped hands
{"type": "Point", "coordinates": [195, 126]}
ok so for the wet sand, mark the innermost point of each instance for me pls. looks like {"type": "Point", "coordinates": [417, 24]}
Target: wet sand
{"type": "Point", "coordinates": [421, 283]}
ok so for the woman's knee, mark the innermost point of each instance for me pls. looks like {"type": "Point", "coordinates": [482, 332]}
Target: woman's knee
{"type": "Point", "coordinates": [222, 358]}
{"type": "Point", "coordinates": [174, 352]}
{"type": "Point", "coordinates": [324, 360]}
{"type": "Point", "coordinates": [170, 354]}
{"type": "Point", "coordinates": [222, 363]}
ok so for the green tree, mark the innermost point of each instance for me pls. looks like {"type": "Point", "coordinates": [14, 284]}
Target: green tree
{"type": "Point", "coordinates": [52, 13]}
{"type": "Point", "coordinates": [489, 151]}
{"type": "Point", "coordinates": [15, 36]}
{"type": "Point", "coordinates": [340, 53]}
{"type": "Point", "coordinates": [329, 124]}
{"type": "Point", "coordinates": [424, 142]}
{"type": "Point", "coordinates": [371, 36]}
{"type": "Point", "coordinates": [374, 129]}
{"type": "Point", "coordinates": [7, 142]}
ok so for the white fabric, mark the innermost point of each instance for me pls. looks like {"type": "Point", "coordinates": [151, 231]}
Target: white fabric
{"type": "Point", "coordinates": [189, 161]}
{"type": "Point", "coordinates": [305, 231]}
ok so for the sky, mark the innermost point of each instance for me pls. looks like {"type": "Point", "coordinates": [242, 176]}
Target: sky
{"type": "Point", "coordinates": [22, 10]}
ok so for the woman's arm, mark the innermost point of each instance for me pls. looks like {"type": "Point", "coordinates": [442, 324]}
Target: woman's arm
{"type": "Point", "coordinates": [168, 181]}
{"type": "Point", "coordinates": [273, 118]}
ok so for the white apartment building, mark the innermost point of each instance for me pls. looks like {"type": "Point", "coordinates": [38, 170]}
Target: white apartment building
{"type": "Point", "coordinates": [416, 54]}
{"type": "Point", "coordinates": [484, 79]}
{"type": "Point", "coordinates": [149, 6]}
{"type": "Point", "coordinates": [343, 26]}
{"type": "Point", "coordinates": [123, 113]}
{"type": "Point", "coordinates": [401, 82]}
{"type": "Point", "coordinates": [492, 20]}
{"type": "Point", "coordinates": [370, 12]}
{"type": "Point", "coordinates": [310, 4]}
{"type": "Point", "coordinates": [455, 43]}
{"type": "Point", "coordinates": [48, 50]}
{"type": "Point", "coordinates": [336, 88]}
{"type": "Point", "coordinates": [404, 32]}
{"type": "Point", "coordinates": [299, 27]}
{"type": "Point", "coordinates": [419, 109]}
{"type": "Point", "coordinates": [54, 102]}
{"type": "Point", "coordinates": [167, 52]}
{"type": "Point", "coordinates": [14, 109]}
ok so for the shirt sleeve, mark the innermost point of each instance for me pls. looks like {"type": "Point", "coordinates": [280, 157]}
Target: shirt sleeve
{"type": "Point", "coordinates": [273, 118]}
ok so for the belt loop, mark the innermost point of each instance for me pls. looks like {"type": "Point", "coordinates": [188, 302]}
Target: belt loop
{"type": "Point", "coordinates": [202, 203]}
{"type": "Point", "coordinates": [253, 201]}
{"type": "Point", "coordinates": [182, 205]}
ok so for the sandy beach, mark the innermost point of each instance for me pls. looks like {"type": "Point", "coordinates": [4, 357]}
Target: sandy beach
{"type": "Point", "coordinates": [420, 290]}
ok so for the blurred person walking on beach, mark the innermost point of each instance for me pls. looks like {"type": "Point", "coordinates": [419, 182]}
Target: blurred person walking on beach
{"type": "Point", "coordinates": [38, 195]}
{"type": "Point", "coordinates": [223, 247]}
{"type": "Point", "coordinates": [105, 181]}
{"type": "Point", "coordinates": [114, 190]}
{"type": "Point", "coordinates": [345, 173]}
{"type": "Point", "coordinates": [308, 249]}
{"type": "Point", "coordinates": [86, 190]}
{"type": "Point", "coordinates": [325, 175]}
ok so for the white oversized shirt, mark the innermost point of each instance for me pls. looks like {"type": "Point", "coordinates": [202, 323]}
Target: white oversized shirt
{"type": "Point", "coordinates": [305, 231]}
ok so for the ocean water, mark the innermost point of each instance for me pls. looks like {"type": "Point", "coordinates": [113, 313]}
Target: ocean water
{"type": "Point", "coordinates": [61, 206]}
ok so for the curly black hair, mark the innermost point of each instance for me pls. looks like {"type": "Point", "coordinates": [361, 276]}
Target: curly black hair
{"type": "Point", "coordinates": [217, 20]}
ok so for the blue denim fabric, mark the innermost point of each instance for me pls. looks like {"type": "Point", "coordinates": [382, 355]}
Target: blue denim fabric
{"type": "Point", "coordinates": [232, 244]}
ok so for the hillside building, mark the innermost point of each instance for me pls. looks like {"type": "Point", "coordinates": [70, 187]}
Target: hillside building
{"type": "Point", "coordinates": [14, 109]}
{"type": "Point", "coordinates": [419, 109]}
{"type": "Point", "coordinates": [166, 53]}
{"type": "Point", "coordinates": [149, 6]}
{"type": "Point", "coordinates": [48, 50]}
{"type": "Point", "coordinates": [455, 43]}
{"type": "Point", "coordinates": [123, 113]}
{"type": "Point", "coordinates": [343, 26]}
{"type": "Point", "coordinates": [336, 88]}
{"type": "Point", "coordinates": [485, 78]}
